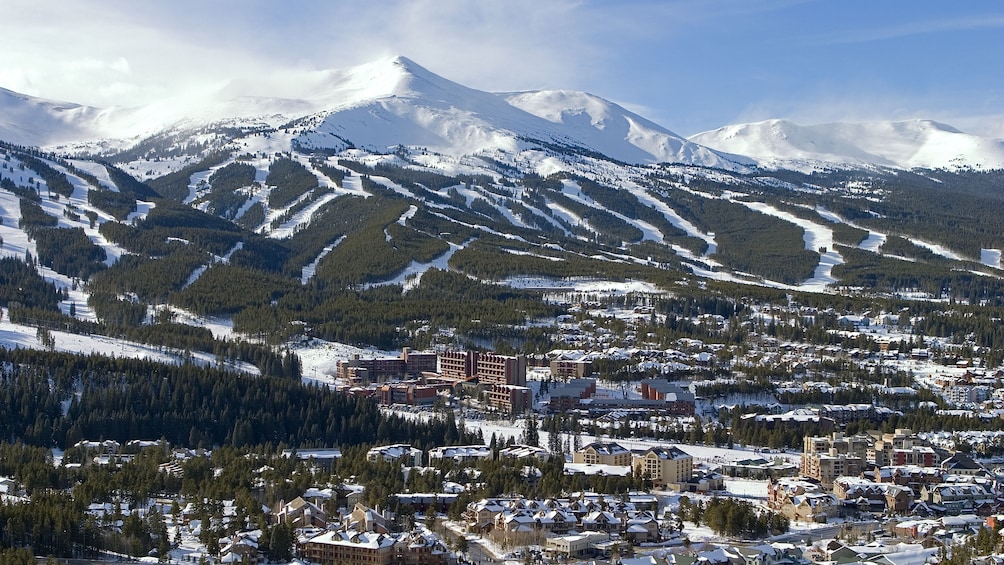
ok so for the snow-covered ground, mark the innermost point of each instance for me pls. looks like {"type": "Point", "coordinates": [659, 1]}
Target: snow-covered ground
{"type": "Point", "coordinates": [319, 359]}
{"type": "Point", "coordinates": [411, 276]}
{"type": "Point", "coordinates": [19, 336]}
{"type": "Point", "coordinates": [991, 258]}
{"type": "Point", "coordinates": [818, 238]}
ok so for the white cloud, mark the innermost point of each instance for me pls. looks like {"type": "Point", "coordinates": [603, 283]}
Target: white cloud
{"type": "Point", "coordinates": [908, 29]}
{"type": "Point", "coordinates": [123, 53]}
{"type": "Point", "coordinates": [664, 59]}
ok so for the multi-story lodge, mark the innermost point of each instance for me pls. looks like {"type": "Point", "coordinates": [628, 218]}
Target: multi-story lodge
{"type": "Point", "coordinates": [603, 453]}
{"type": "Point", "coordinates": [372, 548]}
{"type": "Point", "coordinates": [665, 466]}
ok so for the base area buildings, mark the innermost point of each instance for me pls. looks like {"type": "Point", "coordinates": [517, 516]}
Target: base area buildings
{"type": "Point", "coordinates": [419, 378]}
{"type": "Point", "coordinates": [501, 377]}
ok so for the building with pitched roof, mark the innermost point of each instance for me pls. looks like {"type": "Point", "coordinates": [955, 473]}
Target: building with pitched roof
{"type": "Point", "coordinates": [665, 465]}
{"type": "Point", "coordinates": [603, 453]}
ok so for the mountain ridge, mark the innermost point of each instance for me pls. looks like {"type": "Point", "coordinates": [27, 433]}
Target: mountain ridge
{"type": "Point", "coordinates": [904, 144]}
{"type": "Point", "coordinates": [396, 101]}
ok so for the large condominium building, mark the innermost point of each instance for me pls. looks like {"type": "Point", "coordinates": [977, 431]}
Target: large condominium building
{"type": "Point", "coordinates": [378, 370]}
{"type": "Point", "coordinates": [902, 448]}
{"type": "Point", "coordinates": [458, 365]}
{"type": "Point", "coordinates": [571, 369]}
{"type": "Point", "coordinates": [828, 457]}
{"type": "Point", "coordinates": [665, 466]}
{"type": "Point", "coordinates": [603, 453]}
{"type": "Point", "coordinates": [489, 368]}
{"type": "Point", "coordinates": [492, 369]}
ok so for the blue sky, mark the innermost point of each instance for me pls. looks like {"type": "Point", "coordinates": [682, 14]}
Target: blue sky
{"type": "Point", "coordinates": [688, 65]}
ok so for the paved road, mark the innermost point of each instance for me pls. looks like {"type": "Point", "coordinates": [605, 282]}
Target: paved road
{"type": "Point", "coordinates": [476, 553]}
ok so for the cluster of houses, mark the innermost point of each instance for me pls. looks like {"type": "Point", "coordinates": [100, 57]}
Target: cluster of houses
{"type": "Point", "coordinates": [364, 535]}
{"type": "Point", "coordinates": [632, 518]}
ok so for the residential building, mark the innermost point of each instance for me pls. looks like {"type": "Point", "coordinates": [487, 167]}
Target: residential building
{"type": "Point", "coordinates": [411, 393]}
{"type": "Point", "coordinates": [492, 369]}
{"type": "Point", "coordinates": [378, 370]}
{"type": "Point", "coordinates": [901, 448]}
{"type": "Point", "coordinates": [959, 498]}
{"type": "Point", "coordinates": [962, 464]}
{"type": "Point", "coordinates": [371, 370]}
{"type": "Point", "coordinates": [571, 369]}
{"type": "Point", "coordinates": [320, 457]}
{"type": "Point", "coordinates": [759, 468]}
{"type": "Point", "coordinates": [513, 399]}
{"type": "Point", "coordinates": [826, 468]}
{"type": "Point", "coordinates": [372, 548]}
{"type": "Point", "coordinates": [780, 490]}
{"type": "Point", "coordinates": [567, 396]}
{"type": "Point", "coordinates": [911, 476]}
{"type": "Point", "coordinates": [417, 363]}
{"type": "Point", "coordinates": [603, 453]}
{"type": "Point", "coordinates": [299, 513]}
{"type": "Point", "coordinates": [458, 365]}
{"type": "Point", "coordinates": [403, 452]}
{"type": "Point", "coordinates": [665, 465]}
{"type": "Point", "coordinates": [520, 451]}
{"type": "Point", "coordinates": [872, 496]}
{"type": "Point", "coordinates": [461, 452]}
{"type": "Point", "coordinates": [828, 457]}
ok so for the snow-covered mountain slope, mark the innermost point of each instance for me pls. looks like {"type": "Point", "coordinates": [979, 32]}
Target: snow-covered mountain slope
{"type": "Point", "coordinates": [377, 107]}
{"type": "Point", "coordinates": [905, 144]}
{"type": "Point", "coordinates": [26, 120]}
{"type": "Point", "coordinates": [614, 131]}
{"type": "Point", "coordinates": [397, 102]}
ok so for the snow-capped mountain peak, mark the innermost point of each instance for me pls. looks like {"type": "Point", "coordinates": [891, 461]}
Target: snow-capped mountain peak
{"type": "Point", "coordinates": [903, 144]}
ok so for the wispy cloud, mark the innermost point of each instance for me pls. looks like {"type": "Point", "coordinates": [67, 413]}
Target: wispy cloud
{"type": "Point", "coordinates": [908, 29]}
{"type": "Point", "coordinates": [117, 52]}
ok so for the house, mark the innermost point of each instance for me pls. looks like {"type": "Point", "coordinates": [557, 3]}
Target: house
{"type": "Point", "coordinates": [241, 547]}
{"type": "Point", "coordinates": [813, 507]}
{"type": "Point", "coordinates": [365, 519]}
{"type": "Point", "coordinates": [299, 513]}
{"type": "Point", "coordinates": [962, 464]}
{"type": "Point", "coordinates": [641, 528]}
